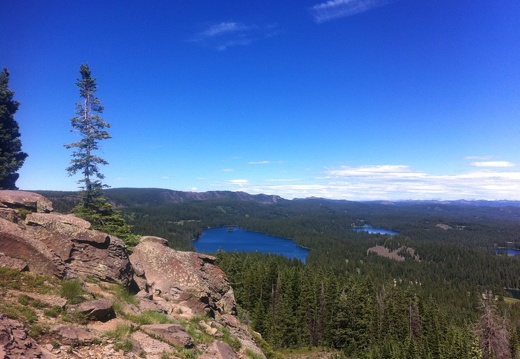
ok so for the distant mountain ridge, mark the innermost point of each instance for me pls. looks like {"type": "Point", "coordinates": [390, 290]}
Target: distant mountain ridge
{"type": "Point", "coordinates": [124, 197]}
{"type": "Point", "coordinates": [128, 197]}
{"type": "Point", "coordinates": [163, 196]}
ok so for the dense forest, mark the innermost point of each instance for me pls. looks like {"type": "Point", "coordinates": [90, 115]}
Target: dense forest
{"type": "Point", "coordinates": [454, 299]}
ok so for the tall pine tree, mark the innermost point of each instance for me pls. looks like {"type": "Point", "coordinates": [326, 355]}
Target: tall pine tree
{"type": "Point", "coordinates": [11, 155]}
{"type": "Point", "coordinates": [91, 128]}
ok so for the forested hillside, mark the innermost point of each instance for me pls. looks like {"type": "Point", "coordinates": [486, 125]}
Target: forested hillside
{"type": "Point", "coordinates": [436, 306]}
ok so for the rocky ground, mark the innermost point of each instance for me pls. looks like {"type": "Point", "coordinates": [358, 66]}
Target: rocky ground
{"type": "Point", "coordinates": [71, 292]}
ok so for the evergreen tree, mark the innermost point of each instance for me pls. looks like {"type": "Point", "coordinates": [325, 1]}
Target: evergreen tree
{"type": "Point", "coordinates": [91, 128]}
{"type": "Point", "coordinates": [11, 156]}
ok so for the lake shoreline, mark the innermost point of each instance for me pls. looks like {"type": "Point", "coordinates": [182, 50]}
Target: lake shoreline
{"type": "Point", "coordinates": [242, 240]}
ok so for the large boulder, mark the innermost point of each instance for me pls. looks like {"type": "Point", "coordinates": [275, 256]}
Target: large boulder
{"type": "Point", "coordinates": [25, 200]}
{"type": "Point", "coordinates": [59, 245]}
{"type": "Point", "coordinates": [37, 255]}
{"type": "Point", "coordinates": [183, 277]}
{"type": "Point", "coordinates": [88, 253]}
{"type": "Point", "coordinates": [100, 309]}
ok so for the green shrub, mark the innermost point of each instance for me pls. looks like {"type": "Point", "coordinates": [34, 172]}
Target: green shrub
{"type": "Point", "coordinates": [19, 312]}
{"type": "Point", "coordinates": [73, 291]}
{"type": "Point", "coordinates": [53, 312]}
{"type": "Point", "coordinates": [150, 317]}
{"type": "Point", "coordinates": [230, 340]}
{"type": "Point", "coordinates": [23, 299]}
{"type": "Point", "coordinates": [121, 331]}
{"type": "Point", "coordinates": [121, 334]}
{"type": "Point", "coordinates": [124, 295]}
{"type": "Point", "coordinates": [36, 330]}
{"type": "Point", "coordinates": [125, 345]}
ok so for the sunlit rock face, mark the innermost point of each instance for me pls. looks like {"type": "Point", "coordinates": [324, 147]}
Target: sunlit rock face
{"type": "Point", "coordinates": [188, 278]}
{"type": "Point", "coordinates": [56, 244]}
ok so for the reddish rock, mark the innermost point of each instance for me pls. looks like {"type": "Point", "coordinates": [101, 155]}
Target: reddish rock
{"type": "Point", "coordinates": [183, 277]}
{"type": "Point", "coordinates": [40, 258]}
{"type": "Point", "coordinates": [100, 309]}
{"type": "Point", "coordinates": [64, 246]}
{"type": "Point", "coordinates": [13, 263]}
{"type": "Point", "coordinates": [25, 200]}
{"type": "Point", "coordinates": [223, 350]}
{"type": "Point", "coordinates": [72, 335]}
{"type": "Point", "coordinates": [15, 342]}
{"type": "Point", "coordinates": [171, 333]}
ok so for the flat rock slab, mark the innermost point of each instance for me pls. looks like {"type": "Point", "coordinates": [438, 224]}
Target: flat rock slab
{"type": "Point", "coordinates": [171, 333]}
{"type": "Point", "coordinates": [100, 309]}
{"type": "Point", "coordinates": [149, 345]}
{"type": "Point", "coordinates": [72, 335]}
{"type": "Point", "coordinates": [25, 200]}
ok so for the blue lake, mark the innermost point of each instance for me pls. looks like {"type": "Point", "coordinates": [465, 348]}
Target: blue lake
{"type": "Point", "coordinates": [508, 251]}
{"type": "Point", "coordinates": [373, 230]}
{"type": "Point", "coordinates": [235, 239]}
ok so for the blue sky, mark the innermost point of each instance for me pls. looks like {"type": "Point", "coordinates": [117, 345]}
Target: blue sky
{"type": "Point", "coordinates": [345, 99]}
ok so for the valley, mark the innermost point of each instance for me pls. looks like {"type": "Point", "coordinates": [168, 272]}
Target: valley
{"type": "Point", "coordinates": [347, 298]}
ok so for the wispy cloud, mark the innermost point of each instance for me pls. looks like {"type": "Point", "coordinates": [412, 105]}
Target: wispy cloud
{"type": "Point", "coordinates": [265, 162]}
{"type": "Point", "coordinates": [495, 164]}
{"type": "Point", "coordinates": [227, 170]}
{"type": "Point", "coordinates": [334, 9]}
{"type": "Point", "coordinates": [229, 34]}
{"type": "Point", "coordinates": [239, 182]}
{"type": "Point", "coordinates": [223, 28]}
{"type": "Point", "coordinates": [393, 171]}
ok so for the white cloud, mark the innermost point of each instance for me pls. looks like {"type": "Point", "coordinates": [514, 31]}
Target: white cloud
{"type": "Point", "coordinates": [228, 34]}
{"type": "Point", "coordinates": [227, 170]}
{"type": "Point", "coordinates": [239, 182]}
{"type": "Point", "coordinates": [496, 164]}
{"type": "Point", "coordinates": [401, 182]}
{"type": "Point", "coordinates": [387, 182]}
{"type": "Point", "coordinates": [379, 171]}
{"type": "Point", "coordinates": [334, 9]}
{"type": "Point", "coordinates": [223, 28]}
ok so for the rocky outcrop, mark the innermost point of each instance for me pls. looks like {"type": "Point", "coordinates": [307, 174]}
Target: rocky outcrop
{"type": "Point", "coordinates": [186, 290]}
{"type": "Point", "coordinates": [29, 201]}
{"type": "Point", "coordinates": [186, 278]}
{"type": "Point", "coordinates": [15, 341]}
{"type": "Point", "coordinates": [56, 244]}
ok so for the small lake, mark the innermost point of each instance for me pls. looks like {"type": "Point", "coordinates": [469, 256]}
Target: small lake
{"type": "Point", "coordinates": [235, 239]}
{"type": "Point", "coordinates": [373, 230]}
{"type": "Point", "coordinates": [508, 251]}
